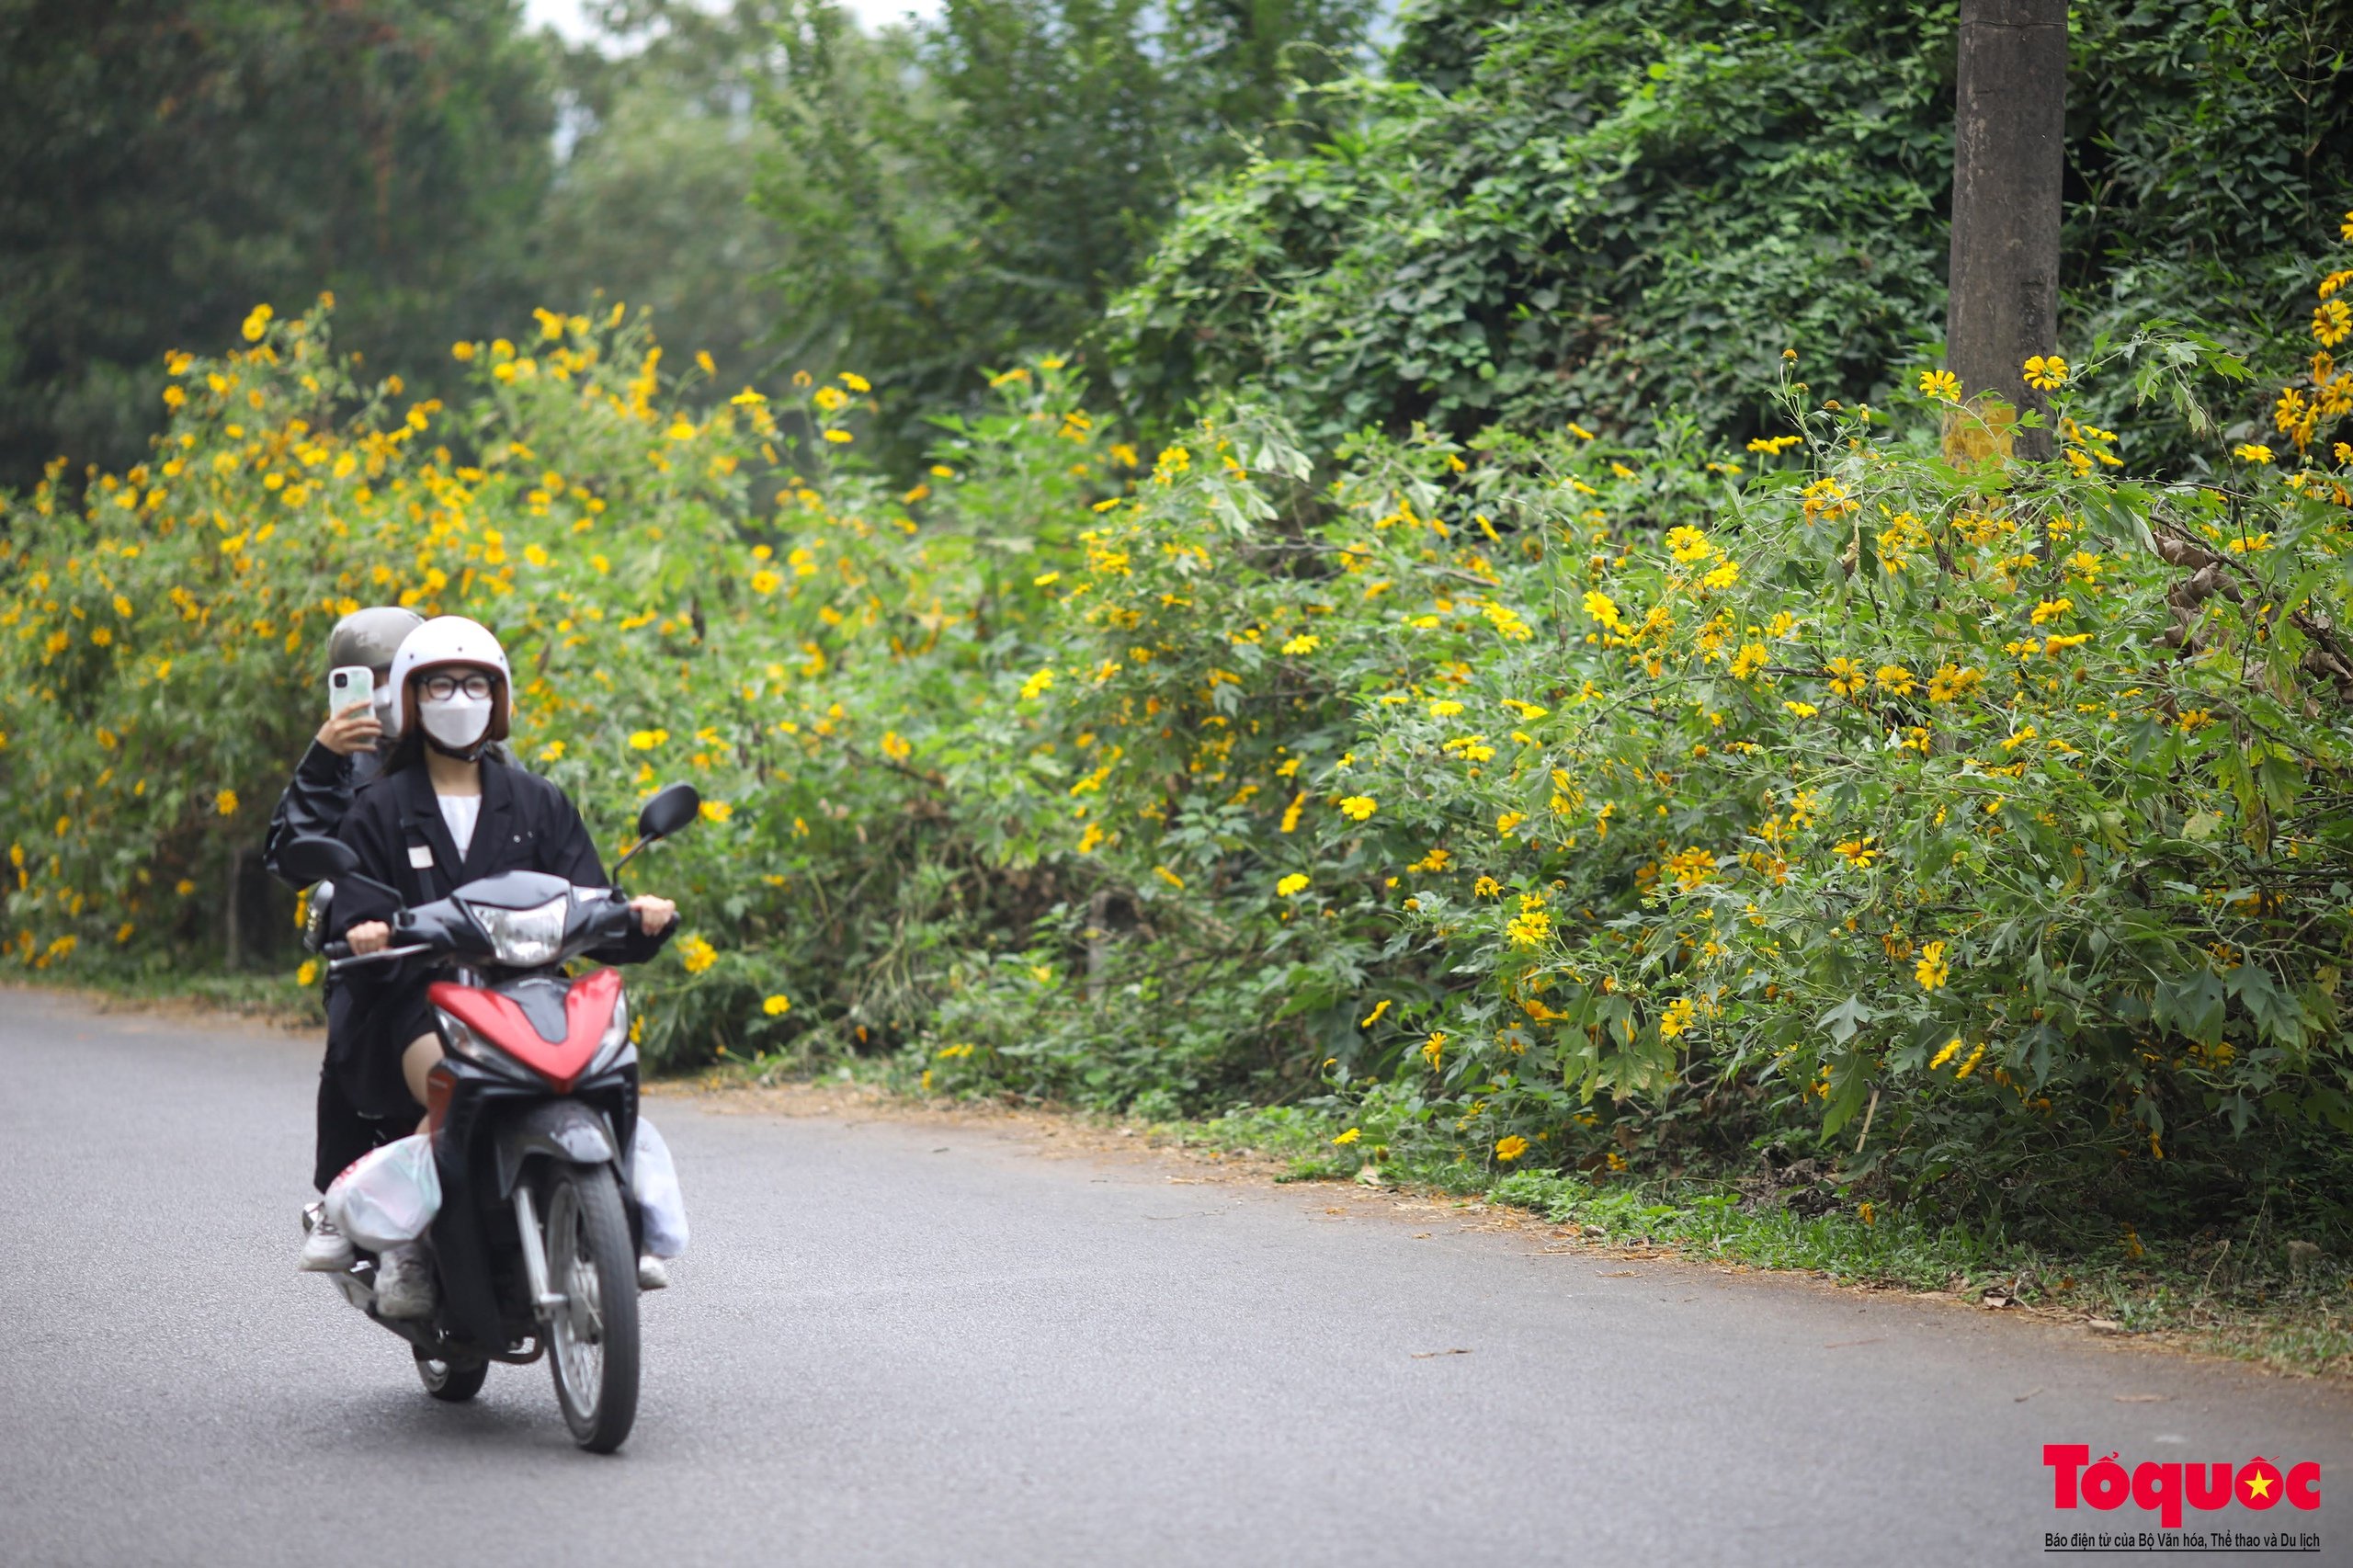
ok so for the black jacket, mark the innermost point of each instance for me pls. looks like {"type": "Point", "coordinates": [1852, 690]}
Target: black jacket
{"type": "Point", "coordinates": [526, 824]}
{"type": "Point", "coordinates": [317, 797]}
{"type": "Point", "coordinates": [314, 802]}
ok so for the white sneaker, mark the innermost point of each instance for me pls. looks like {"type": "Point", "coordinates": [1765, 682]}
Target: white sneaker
{"type": "Point", "coordinates": [653, 1274]}
{"type": "Point", "coordinates": [405, 1282]}
{"type": "Point", "coordinates": [325, 1250]}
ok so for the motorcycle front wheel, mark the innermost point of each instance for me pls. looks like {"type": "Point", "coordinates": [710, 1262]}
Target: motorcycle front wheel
{"type": "Point", "coordinates": [592, 1338]}
{"type": "Point", "coordinates": [452, 1382]}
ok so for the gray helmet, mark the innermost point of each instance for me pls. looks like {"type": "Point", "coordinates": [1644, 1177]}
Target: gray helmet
{"type": "Point", "coordinates": [370, 637]}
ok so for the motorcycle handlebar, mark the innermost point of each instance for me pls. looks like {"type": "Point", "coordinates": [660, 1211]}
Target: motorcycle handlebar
{"type": "Point", "coordinates": [350, 959]}
{"type": "Point", "coordinates": [616, 920]}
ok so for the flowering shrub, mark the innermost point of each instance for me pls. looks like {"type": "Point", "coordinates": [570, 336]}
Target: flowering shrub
{"type": "Point", "coordinates": [790, 651]}
{"type": "Point", "coordinates": [1542, 800]}
{"type": "Point", "coordinates": [1545, 792]}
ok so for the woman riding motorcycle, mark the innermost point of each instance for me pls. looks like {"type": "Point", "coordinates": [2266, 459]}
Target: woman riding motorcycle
{"type": "Point", "coordinates": [442, 814]}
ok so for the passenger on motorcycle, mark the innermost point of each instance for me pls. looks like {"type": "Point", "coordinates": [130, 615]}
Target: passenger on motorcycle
{"type": "Point", "coordinates": [444, 814]}
{"type": "Point", "coordinates": [347, 752]}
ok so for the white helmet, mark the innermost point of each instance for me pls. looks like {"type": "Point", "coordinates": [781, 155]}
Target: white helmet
{"type": "Point", "coordinates": [444, 640]}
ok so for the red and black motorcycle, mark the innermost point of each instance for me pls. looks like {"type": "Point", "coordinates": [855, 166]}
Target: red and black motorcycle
{"type": "Point", "coordinates": [532, 1111]}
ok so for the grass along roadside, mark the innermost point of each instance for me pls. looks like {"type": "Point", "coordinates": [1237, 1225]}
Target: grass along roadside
{"type": "Point", "coordinates": [2253, 1295]}
{"type": "Point", "coordinates": [265, 997]}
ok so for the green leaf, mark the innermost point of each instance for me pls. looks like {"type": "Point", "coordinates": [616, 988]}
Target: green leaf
{"type": "Point", "coordinates": [1842, 1020]}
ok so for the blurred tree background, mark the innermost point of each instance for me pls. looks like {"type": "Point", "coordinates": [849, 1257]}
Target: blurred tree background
{"type": "Point", "coordinates": [165, 163]}
{"type": "Point", "coordinates": [931, 200]}
{"type": "Point", "coordinates": [661, 140]}
{"type": "Point", "coordinates": [952, 195]}
{"type": "Point", "coordinates": [1516, 210]}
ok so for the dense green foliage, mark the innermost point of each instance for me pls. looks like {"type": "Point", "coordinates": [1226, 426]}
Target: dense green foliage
{"type": "Point", "coordinates": [1541, 801]}
{"type": "Point", "coordinates": [955, 194]}
{"type": "Point", "coordinates": [1834, 799]}
{"type": "Point", "coordinates": [1616, 782]}
{"type": "Point", "coordinates": [1559, 210]}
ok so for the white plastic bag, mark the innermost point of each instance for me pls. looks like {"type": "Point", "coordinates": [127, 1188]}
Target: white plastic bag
{"type": "Point", "coordinates": [654, 1180]}
{"type": "Point", "coordinates": [388, 1195]}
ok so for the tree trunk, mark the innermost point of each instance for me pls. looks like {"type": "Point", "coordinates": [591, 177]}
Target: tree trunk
{"type": "Point", "coordinates": [233, 922]}
{"type": "Point", "coordinates": [1098, 946]}
{"type": "Point", "coordinates": [2009, 153]}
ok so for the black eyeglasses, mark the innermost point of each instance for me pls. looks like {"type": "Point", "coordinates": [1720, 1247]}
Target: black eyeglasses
{"type": "Point", "coordinates": [442, 687]}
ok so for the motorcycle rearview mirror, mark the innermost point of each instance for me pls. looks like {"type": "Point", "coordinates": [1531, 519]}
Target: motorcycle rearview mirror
{"type": "Point", "coordinates": [313, 858]}
{"type": "Point", "coordinates": [671, 807]}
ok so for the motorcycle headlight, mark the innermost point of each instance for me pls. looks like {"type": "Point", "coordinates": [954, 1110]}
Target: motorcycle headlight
{"type": "Point", "coordinates": [462, 1040]}
{"type": "Point", "coordinates": [616, 1041]}
{"type": "Point", "coordinates": [524, 938]}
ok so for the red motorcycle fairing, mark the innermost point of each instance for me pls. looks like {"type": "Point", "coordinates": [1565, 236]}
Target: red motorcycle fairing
{"type": "Point", "coordinates": [588, 1010]}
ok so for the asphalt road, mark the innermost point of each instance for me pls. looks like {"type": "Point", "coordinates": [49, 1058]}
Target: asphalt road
{"type": "Point", "coordinates": [913, 1343]}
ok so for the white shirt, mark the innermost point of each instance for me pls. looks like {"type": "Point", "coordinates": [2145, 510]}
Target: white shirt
{"type": "Point", "coordinates": [461, 812]}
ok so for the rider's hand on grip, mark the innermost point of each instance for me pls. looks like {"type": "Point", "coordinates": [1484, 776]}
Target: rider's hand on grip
{"type": "Point", "coordinates": [369, 937]}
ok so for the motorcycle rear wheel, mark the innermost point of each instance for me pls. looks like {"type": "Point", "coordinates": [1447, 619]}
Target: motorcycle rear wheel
{"type": "Point", "coordinates": [453, 1382]}
{"type": "Point", "coordinates": [592, 1340]}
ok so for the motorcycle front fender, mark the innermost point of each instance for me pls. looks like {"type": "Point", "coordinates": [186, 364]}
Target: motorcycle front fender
{"type": "Point", "coordinates": [561, 1130]}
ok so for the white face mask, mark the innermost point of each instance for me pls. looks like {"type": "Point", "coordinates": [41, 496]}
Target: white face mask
{"type": "Point", "coordinates": [388, 713]}
{"type": "Point", "coordinates": [457, 721]}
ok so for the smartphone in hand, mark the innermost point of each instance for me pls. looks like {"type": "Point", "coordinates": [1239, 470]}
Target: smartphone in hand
{"type": "Point", "coordinates": [347, 684]}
